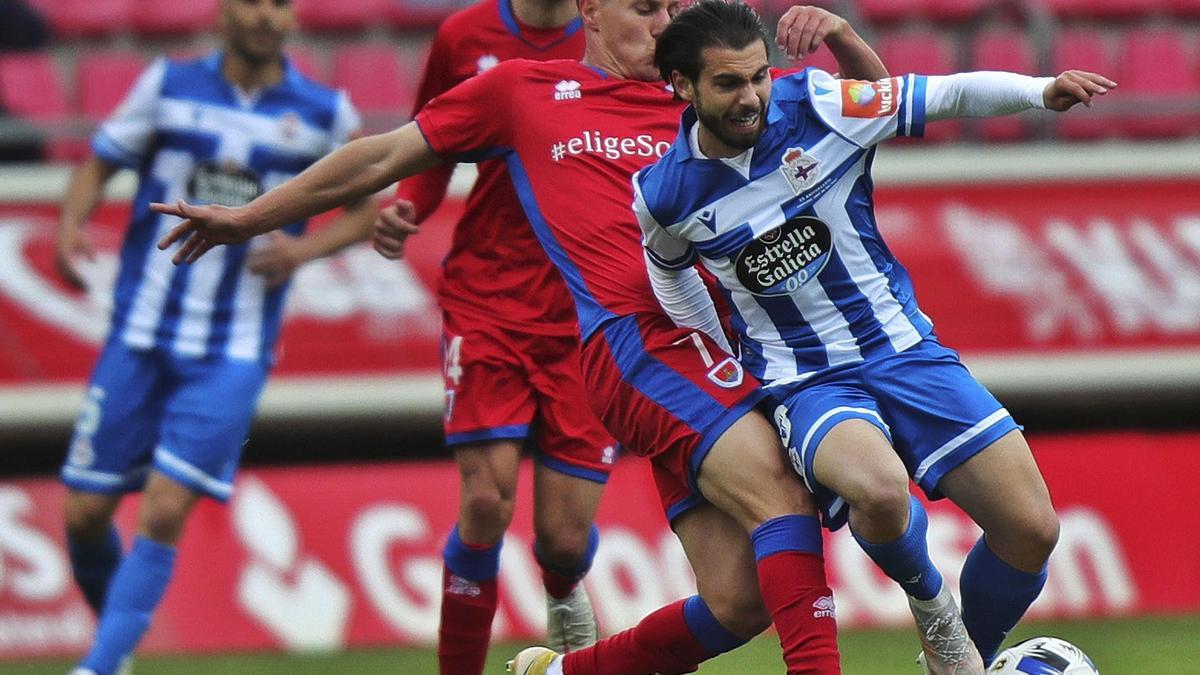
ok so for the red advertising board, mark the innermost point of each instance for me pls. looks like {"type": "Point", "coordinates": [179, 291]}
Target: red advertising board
{"type": "Point", "coordinates": [1052, 266]}
{"type": "Point", "coordinates": [352, 314]}
{"type": "Point", "coordinates": [330, 557]}
{"type": "Point", "coordinates": [1008, 268]}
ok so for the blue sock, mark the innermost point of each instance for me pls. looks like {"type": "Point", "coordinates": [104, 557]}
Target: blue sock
{"type": "Point", "coordinates": [995, 596]}
{"type": "Point", "coordinates": [906, 559]}
{"type": "Point", "coordinates": [93, 563]}
{"type": "Point", "coordinates": [469, 561]}
{"type": "Point", "coordinates": [709, 632]}
{"type": "Point", "coordinates": [136, 590]}
{"type": "Point", "coordinates": [787, 533]}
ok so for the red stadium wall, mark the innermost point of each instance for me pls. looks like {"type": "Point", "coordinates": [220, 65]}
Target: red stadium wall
{"type": "Point", "coordinates": [321, 558]}
{"type": "Point", "coordinates": [1008, 270]}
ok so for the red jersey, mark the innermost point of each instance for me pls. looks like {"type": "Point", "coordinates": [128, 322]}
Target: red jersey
{"type": "Point", "coordinates": [573, 138]}
{"type": "Point", "coordinates": [495, 270]}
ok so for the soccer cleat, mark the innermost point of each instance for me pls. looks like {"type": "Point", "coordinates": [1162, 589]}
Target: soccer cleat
{"type": "Point", "coordinates": [570, 622]}
{"type": "Point", "coordinates": [532, 661]}
{"type": "Point", "coordinates": [946, 649]}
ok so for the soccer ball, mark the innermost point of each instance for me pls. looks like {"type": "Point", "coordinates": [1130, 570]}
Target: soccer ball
{"type": "Point", "coordinates": [1043, 656]}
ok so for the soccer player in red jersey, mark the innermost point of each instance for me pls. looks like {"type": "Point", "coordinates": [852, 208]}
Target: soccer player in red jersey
{"type": "Point", "coordinates": [510, 360]}
{"type": "Point", "coordinates": [573, 133]}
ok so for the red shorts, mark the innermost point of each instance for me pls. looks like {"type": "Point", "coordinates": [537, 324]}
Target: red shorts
{"type": "Point", "coordinates": [666, 393]}
{"type": "Point", "coordinates": [508, 385]}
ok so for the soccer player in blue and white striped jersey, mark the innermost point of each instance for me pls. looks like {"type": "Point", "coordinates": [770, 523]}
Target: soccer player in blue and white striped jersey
{"type": "Point", "coordinates": [768, 186]}
{"type": "Point", "coordinates": [219, 129]}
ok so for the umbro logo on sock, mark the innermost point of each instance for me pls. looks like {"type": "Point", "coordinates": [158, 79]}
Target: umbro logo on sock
{"type": "Point", "coordinates": [823, 607]}
{"type": "Point", "coordinates": [461, 586]}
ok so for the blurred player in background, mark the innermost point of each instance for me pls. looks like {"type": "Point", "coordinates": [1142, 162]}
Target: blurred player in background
{"type": "Point", "coordinates": [573, 133]}
{"type": "Point", "coordinates": [510, 360]}
{"type": "Point", "coordinates": [768, 185]}
{"type": "Point", "coordinates": [223, 128]}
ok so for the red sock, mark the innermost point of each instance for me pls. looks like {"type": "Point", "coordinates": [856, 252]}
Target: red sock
{"type": "Point", "coordinates": [466, 624]}
{"type": "Point", "coordinates": [557, 585]}
{"type": "Point", "coordinates": [660, 643]}
{"type": "Point", "coordinates": [801, 604]}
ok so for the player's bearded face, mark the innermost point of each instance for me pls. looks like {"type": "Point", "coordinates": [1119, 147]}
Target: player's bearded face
{"type": "Point", "coordinates": [256, 29]}
{"type": "Point", "coordinates": [731, 96]}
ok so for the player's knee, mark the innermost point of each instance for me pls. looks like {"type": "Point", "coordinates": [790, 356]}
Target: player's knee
{"type": "Point", "coordinates": [742, 614]}
{"type": "Point", "coordinates": [487, 508]}
{"type": "Point", "coordinates": [883, 503]}
{"type": "Point", "coordinates": [878, 494]}
{"type": "Point", "coordinates": [1026, 541]}
{"type": "Point", "coordinates": [562, 544]}
{"type": "Point", "coordinates": [162, 517]}
{"type": "Point", "coordinates": [1040, 536]}
{"type": "Point", "coordinates": [85, 522]}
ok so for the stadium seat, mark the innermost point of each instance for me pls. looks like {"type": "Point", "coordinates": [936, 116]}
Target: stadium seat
{"type": "Point", "coordinates": [1104, 9]}
{"type": "Point", "coordinates": [377, 82]}
{"type": "Point", "coordinates": [420, 14]}
{"type": "Point", "coordinates": [157, 18]}
{"type": "Point", "coordinates": [956, 10]}
{"type": "Point", "coordinates": [773, 9]}
{"type": "Point", "coordinates": [1185, 7]}
{"type": "Point", "coordinates": [1003, 49]}
{"type": "Point", "coordinates": [30, 87]}
{"type": "Point", "coordinates": [923, 53]}
{"type": "Point", "coordinates": [1084, 49]}
{"type": "Point", "coordinates": [888, 11]}
{"type": "Point", "coordinates": [341, 15]}
{"type": "Point", "coordinates": [87, 18]}
{"type": "Point", "coordinates": [1158, 78]}
{"type": "Point", "coordinates": [103, 78]}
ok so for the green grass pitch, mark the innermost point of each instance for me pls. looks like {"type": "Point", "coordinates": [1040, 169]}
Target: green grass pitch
{"type": "Point", "coordinates": [1137, 646]}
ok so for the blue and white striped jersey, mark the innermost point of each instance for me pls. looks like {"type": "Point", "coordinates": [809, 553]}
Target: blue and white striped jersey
{"type": "Point", "coordinates": [788, 227]}
{"type": "Point", "coordinates": [191, 134]}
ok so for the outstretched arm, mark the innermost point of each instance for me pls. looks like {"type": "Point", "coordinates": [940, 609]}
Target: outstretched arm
{"type": "Point", "coordinates": [990, 94]}
{"type": "Point", "coordinates": [278, 259]}
{"type": "Point", "coordinates": [354, 171]}
{"type": "Point", "coordinates": [802, 29]}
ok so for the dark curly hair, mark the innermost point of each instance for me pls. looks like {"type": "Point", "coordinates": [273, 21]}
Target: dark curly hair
{"type": "Point", "coordinates": [708, 23]}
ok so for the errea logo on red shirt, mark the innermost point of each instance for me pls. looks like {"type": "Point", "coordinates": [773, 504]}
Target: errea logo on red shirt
{"type": "Point", "coordinates": [566, 90]}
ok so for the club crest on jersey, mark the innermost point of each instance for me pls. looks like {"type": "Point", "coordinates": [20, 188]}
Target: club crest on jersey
{"type": "Point", "coordinates": [727, 373]}
{"type": "Point", "coordinates": [567, 90]}
{"type": "Point", "coordinates": [782, 260]}
{"type": "Point", "coordinates": [869, 99]}
{"type": "Point", "coordinates": [486, 62]}
{"type": "Point", "coordinates": [289, 125]}
{"type": "Point", "coordinates": [800, 169]}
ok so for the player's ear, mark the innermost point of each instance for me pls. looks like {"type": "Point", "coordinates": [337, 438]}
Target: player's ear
{"type": "Point", "coordinates": [683, 85]}
{"type": "Point", "coordinates": [587, 12]}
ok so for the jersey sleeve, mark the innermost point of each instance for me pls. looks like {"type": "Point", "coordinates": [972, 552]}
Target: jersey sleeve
{"type": "Point", "coordinates": [438, 76]}
{"type": "Point", "coordinates": [663, 249]}
{"type": "Point", "coordinates": [867, 113]}
{"type": "Point", "coordinates": [124, 138]}
{"type": "Point", "coordinates": [427, 189]}
{"type": "Point", "coordinates": [473, 121]}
